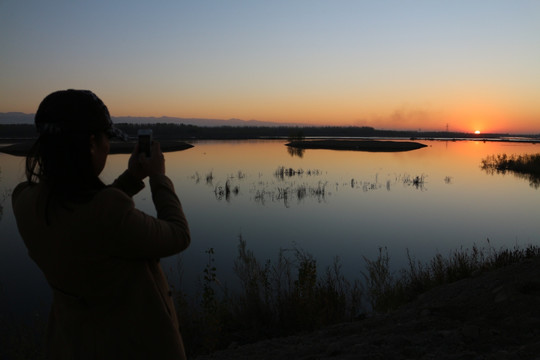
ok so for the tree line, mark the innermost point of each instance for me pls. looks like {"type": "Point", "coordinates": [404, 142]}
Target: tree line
{"type": "Point", "coordinates": [187, 132]}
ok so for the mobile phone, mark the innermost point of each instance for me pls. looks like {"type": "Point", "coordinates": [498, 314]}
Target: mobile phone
{"type": "Point", "coordinates": [145, 140]}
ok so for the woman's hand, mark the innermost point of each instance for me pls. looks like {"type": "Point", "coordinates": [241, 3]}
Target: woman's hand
{"type": "Point", "coordinates": [155, 164]}
{"type": "Point", "coordinates": [141, 166]}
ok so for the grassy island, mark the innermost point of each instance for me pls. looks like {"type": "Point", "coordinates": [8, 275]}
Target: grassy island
{"type": "Point", "coordinates": [357, 145]}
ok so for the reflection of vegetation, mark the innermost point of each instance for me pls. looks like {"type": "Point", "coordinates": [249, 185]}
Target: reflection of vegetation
{"type": "Point", "coordinates": [286, 194]}
{"type": "Point", "coordinates": [209, 178]}
{"type": "Point", "coordinates": [283, 172]}
{"type": "Point", "coordinates": [263, 191]}
{"type": "Point", "coordinates": [297, 135]}
{"type": "Point", "coordinates": [417, 181]}
{"type": "Point", "coordinates": [299, 192]}
{"type": "Point", "coordinates": [225, 192]}
{"type": "Point", "coordinates": [296, 151]}
{"type": "Point", "coordinates": [287, 189]}
{"type": "Point", "coordinates": [523, 166]}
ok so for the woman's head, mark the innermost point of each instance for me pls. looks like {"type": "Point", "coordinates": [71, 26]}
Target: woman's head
{"type": "Point", "coordinates": [72, 112]}
{"type": "Point", "coordinates": [73, 125]}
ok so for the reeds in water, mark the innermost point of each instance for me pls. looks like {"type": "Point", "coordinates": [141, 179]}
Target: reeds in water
{"type": "Point", "coordinates": [524, 166]}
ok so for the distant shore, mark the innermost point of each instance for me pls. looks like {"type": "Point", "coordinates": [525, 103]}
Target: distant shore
{"type": "Point", "coordinates": [19, 146]}
{"type": "Point", "coordinates": [358, 145]}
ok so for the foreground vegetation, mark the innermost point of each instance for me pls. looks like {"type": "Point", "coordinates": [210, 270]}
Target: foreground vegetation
{"type": "Point", "coordinates": [291, 295]}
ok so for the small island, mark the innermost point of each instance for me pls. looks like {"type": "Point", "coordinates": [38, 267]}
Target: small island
{"type": "Point", "coordinates": [357, 145]}
{"type": "Point", "coordinates": [166, 146]}
{"type": "Point", "coordinates": [117, 147]}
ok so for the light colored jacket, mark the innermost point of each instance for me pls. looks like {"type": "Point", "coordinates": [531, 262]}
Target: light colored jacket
{"type": "Point", "coordinates": [101, 258]}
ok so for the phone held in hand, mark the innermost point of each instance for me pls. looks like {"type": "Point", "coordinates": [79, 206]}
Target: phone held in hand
{"type": "Point", "coordinates": [145, 140]}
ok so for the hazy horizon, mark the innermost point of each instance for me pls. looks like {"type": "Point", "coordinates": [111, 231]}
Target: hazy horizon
{"type": "Point", "coordinates": [418, 65]}
{"type": "Point", "coordinates": [28, 119]}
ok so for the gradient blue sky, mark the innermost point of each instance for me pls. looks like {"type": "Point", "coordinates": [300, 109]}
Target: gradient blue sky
{"type": "Point", "coordinates": [471, 64]}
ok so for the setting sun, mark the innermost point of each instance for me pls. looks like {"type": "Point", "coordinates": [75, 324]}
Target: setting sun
{"type": "Point", "coordinates": [477, 132]}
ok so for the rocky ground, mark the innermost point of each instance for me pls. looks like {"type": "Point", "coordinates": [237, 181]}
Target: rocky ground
{"type": "Point", "coordinates": [494, 315]}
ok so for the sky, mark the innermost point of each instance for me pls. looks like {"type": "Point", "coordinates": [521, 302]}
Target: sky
{"type": "Point", "coordinates": [461, 65]}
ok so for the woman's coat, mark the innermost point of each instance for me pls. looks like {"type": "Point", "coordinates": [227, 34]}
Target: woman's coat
{"type": "Point", "coordinates": [101, 258]}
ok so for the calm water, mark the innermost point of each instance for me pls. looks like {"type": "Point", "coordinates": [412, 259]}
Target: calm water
{"type": "Point", "coordinates": [329, 203]}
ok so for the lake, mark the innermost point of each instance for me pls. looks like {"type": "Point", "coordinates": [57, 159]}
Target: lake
{"type": "Point", "coordinates": [331, 204]}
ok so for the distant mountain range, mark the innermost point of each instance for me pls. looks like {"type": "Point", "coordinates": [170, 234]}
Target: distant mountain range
{"type": "Point", "coordinates": [16, 118]}
{"type": "Point", "coordinates": [22, 118]}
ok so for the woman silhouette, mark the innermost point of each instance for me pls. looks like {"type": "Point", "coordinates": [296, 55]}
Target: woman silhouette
{"type": "Point", "coordinates": [99, 253]}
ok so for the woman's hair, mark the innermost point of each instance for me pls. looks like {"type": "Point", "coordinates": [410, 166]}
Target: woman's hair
{"type": "Point", "coordinates": [61, 156]}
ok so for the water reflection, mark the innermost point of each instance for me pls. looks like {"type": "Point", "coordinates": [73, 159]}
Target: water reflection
{"type": "Point", "coordinates": [346, 204]}
{"type": "Point", "coordinates": [282, 172]}
{"type": "Point", "coordinates": [226, 191]}
{"type": "Point", "coordinates": [299, 185]}
{"type": "Point", "coordinates": [287, 194]}
{"type": "Point", "coordinates": [295, 151]}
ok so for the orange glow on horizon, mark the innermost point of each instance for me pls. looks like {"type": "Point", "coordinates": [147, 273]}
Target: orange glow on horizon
{"type": "Point", "coordinates": [454, 116]}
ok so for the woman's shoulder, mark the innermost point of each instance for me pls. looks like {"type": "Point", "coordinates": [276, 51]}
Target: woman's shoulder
{"type": "Point", "coordinates": [26, 188]}
{"type": "Point", "coordinates": [22, 186]}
